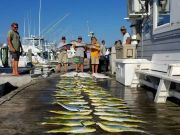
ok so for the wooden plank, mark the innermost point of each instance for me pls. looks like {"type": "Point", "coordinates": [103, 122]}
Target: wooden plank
{"type": "Point", "coordinates": [174, 94]}
{"type": "Point", "coordinates": [152, 73]}
{"type": "Point", "coordinates": [174, 69]}
{"type": "Point", "coordinates": [159, 67]}
{"type": "Point", "coordinates": [166, 57]}
{"type": "Point", "coordinates": [149, 84]}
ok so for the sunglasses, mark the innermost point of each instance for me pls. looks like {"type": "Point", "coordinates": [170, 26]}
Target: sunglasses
{"type": "Point", "coordinates": [16, 27]}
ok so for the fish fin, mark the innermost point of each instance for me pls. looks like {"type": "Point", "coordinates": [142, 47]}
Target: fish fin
{"type": "Point", "coordinates": [83, 124]}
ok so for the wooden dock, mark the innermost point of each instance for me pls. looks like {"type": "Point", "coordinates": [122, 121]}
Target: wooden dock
{"type": "Point", "coordinates": [22, 111]}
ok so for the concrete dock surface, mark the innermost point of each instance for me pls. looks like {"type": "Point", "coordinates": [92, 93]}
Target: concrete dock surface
{"type": "Point", "coordinates": [17, 81]}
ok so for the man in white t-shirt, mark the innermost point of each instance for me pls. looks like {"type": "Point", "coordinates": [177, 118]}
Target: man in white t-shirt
{"type": "Point", "coordinates": [79, 59]}
{"type": "Point", "coordinates": [62, 54]}
{"type": "Point", "coordinates": [126, 36]}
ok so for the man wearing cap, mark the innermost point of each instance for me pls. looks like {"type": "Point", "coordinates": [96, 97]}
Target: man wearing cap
{"type": "Point", "coordinates": [126, 36]}
{"type": "Point", "coordinates": [15, 47]}
{"type": "Point", "coordinates": [79, 57]}
{"type": "Point", "coordinates": [62, 54]}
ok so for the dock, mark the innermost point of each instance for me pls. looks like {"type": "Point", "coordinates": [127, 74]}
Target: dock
{"type": "Point", "coordinates": [24, 109]}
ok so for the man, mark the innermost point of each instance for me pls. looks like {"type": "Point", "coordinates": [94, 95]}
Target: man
{"type": "Point", "coordinates": [126, 36]}
{"type": "Point", "coordinates": [102, 59]}
{"type": "Point", "coordinates": [15, 47]}
{"type": "Point", "coordinates": [79, 59]}
{"type": "Point", "coordinates": [103, 48]}
{"type": "Point", "coordinates": [62, 54]}
{"type": "Point", "coordinates": [107, 56]}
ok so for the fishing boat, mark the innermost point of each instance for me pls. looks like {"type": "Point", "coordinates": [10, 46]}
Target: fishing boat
{"type": "Point", "coordinates": [158, 24]}
{"type": "Point", "coordinates": [155, 27]}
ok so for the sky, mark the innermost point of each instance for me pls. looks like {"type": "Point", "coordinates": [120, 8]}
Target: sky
{"type": "Point", "coordinates": [70, 18]}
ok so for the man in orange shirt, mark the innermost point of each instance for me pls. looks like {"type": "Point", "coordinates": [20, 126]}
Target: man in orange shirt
{"type": "Point", "coordinates": [95, 54]}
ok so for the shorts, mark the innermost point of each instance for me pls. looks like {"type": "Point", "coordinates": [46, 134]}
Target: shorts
{"type": "Point", "coordinates": [62, 58]}
{"type": "Point", "coordinates": [15, 55]}
{"type": "Point", "coordinates": [78, 60]}
{"type": "Point", "coordinates": [94, 60]}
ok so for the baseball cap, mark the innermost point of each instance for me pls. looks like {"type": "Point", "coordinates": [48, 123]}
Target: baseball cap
{"type": "Point", "coordinates": [123, 28]}
{"type": "Point", "coordinates": [79, 37]}
{"type": "Point", "coordinates": [63, 38]}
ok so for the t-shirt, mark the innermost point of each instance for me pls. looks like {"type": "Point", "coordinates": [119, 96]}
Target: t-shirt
{"type": "Point", "coordinates": [80, 49]}
{"type": "Point", "coordinates": [125, 38]}
{"type": "Point", "coordinates": [95, 52]}
{"type": "Point", "coordinates": [103, 49]}
{"type": "Point", "coordinates": [61, 47]}
{"type": "Point", "coordinates": [15, 39]}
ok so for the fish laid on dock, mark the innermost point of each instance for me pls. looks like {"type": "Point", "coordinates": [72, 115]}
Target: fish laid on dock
{"type": "Point", "coordinates": [71, 117]}
{"type": "Point", "coordinates": [69, 123]}
{"type": "Point", "coordinates": [84, 103]}
{"type": "Point", "coordinates": [113, 114]}
{"type": "Point", "coordinates": [117, 128]}
{"type": "Point", "coordinates": [74, 130]}
{"type": "Point", "coordinates": [72, 113]}
{"type": "Point", "coordinates": [119, 119]}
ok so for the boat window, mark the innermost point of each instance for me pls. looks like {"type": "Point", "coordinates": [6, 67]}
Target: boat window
{"type": "Point", "coordinates": [147, 29]}
{"type": "Point", "coordinates": [163, 12]}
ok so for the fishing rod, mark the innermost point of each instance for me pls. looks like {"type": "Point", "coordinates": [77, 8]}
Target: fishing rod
{"type": "Point", "coordinates": [55, 25]}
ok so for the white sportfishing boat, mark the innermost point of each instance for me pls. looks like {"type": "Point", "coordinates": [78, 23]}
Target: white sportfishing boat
{"type": "Point", "coordinates": [31, 44]}
{"type": "Point", "coordinates": [157, 24]}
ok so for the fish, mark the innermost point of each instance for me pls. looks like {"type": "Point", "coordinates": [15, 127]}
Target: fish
{"type": "Point", "coordinates": [72, 113]}
{"type": "Point", "coordinates": [84, 75]}
{"type": "Point", "coordinates": [70, 74]}
{"type": "Point", "coordinates": [71, 117]}
{"type": "Point", "coordinates": [110, 110]}
{"type": "Point", "coordinates": [71, 86]}
{"type": "Point", "coordinates": [91, 92]}
{"type": "Point", "coordinates": [70, 100]}
{"type": "Point", "coordinates": [114, 99]}
{"type": "Point", "coordinates": [111, 107]}
{"type": "Point", "coordinates": [109, 101]}
{"type": "Point", "coordinates": [72, 108]}
{"type": "Point", "coordinates": [99, 94]}
{"type": "Point", "coordinates": [103, 98]}
{"type": "Point", "coordinates": [118, 128]}
{"type": "Point", "coordinates": [72, 93]}
{"type": "Point", "coordinates": [69, 96]}
{"type": "Point", "coordinates": [75, 103]}
{"type": "Point", "coordinates": [120, 123]}
{"type": "Point", "coordinates": [74, 130]}
{"type": "Point", "coordinates": [118, 119]}
{"type": "Point", "coordinates": [113, 114]}
{"type": "Point", "coordinates": [70, 123]}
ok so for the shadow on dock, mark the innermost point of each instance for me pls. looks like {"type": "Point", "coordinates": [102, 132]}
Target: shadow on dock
{"type": "Point", "coordinates": [6, 88]}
